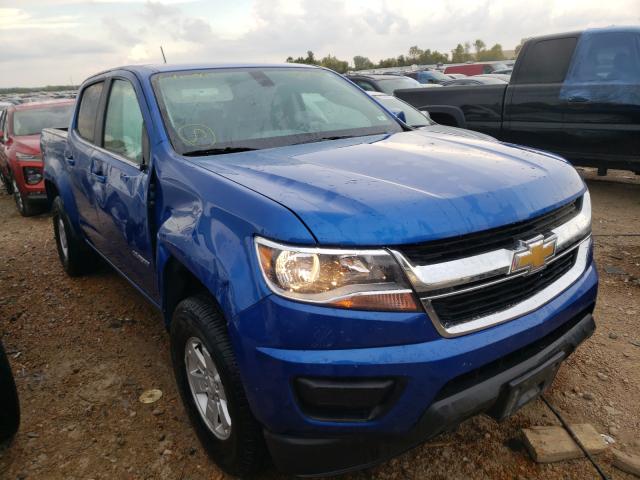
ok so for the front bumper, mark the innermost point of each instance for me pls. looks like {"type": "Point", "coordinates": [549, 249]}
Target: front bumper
{"type": "Point", "coordinates": [328, 456]}
{"type": "Point", "coordinates": [445, 380]}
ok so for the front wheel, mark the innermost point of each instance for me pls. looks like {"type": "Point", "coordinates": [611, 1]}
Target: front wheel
{"type": "Point", "coordinates": [211, 389]}
{"type": "Point", "coordinates": [76, 257]}
{"type": "Point", "coordinates": [25, 207]}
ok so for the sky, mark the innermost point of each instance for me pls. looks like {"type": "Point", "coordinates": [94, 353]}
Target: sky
{"type": "Point", "coordinates": [64, 41]}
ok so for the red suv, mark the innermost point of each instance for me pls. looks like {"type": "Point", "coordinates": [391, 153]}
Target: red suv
{"type": "Point", "coordinates": [20, 158]}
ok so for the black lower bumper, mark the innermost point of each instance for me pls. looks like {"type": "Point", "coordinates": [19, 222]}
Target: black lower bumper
{"type": "Point", "coordinates": [493, 395]}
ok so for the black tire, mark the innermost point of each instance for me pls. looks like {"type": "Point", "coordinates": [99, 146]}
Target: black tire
{"type": "Point", "coordinates": [25, 207]}
{"type": "Point", "coordinates": [243, 452]}
{"type": "Point", "coordinates": [78, 258]}
{"type": "Point", "coordinates": [9, 405]}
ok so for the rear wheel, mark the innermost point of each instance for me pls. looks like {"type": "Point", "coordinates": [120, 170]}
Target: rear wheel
{"type": "Point", "coordinates": [25, 207]}
{"type": "Point", "coordinates": [76, 257]}
{"type": "Point", "coordinates": [211, 389]}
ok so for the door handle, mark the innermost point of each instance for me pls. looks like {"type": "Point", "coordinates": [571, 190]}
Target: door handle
{"type": "Point", "coordinates": [97, 172]}
{"type": "Point", "coordinates": [577, 99]}
{"type": "Point", "coordinates": [99, 177]}
{"type": "Point", "coordinates": [68, 156]}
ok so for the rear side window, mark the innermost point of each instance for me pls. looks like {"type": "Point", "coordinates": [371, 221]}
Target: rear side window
{"type": "Point", "coordinates": [546, 61]}
{"type": "Point", "coordinates": [87, 114]}
{"type": "Point", "coordinates": [123, 123]}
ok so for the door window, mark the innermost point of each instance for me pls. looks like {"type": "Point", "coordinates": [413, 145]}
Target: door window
{"type": "Point", "coordinates": [87, 114]}
{"type": "Point", "coordinates": [123, 126]}
{"type": "Point", "coordinates": [606, 57]}
{"type": "Point", "coordinates": [546, 61]}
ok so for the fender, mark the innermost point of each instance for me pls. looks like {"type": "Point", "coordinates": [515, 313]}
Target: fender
{"type": "Point", "coordinates": [207, 223]}
{"type": "Point", "coordinates": [55, 174]}
{"type": "Point", "coordinates": [455, 112]}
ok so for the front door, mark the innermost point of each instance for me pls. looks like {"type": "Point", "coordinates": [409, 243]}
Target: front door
{"type": "Point", "coordinates": [533, 114]}
{"type": "Point", "coordinates": [602, 100]}
{"type": "Point", "coordinates": [123, 186]}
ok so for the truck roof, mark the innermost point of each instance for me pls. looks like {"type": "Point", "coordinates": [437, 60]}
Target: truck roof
{"type": "Point", "coordinates": [621, 29]}
{"type": "Point", "coordinates": [150, 69]}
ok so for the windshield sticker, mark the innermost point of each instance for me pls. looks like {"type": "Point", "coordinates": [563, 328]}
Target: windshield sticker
{"type": "Point", "coordinates": [197, 135]}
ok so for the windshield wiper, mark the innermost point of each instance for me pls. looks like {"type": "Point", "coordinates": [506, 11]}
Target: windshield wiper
{"type": "Point", "coordinates": [324, 139]}
{"type": "Point", "coordinates": [217, 151]}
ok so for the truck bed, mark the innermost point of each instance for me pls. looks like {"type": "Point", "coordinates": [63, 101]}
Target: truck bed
{"type": "Point", "coordinates": [474, 107]}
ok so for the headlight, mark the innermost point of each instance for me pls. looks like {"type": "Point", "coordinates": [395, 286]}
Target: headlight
{"type": "Point", "coordinates": [355, 279]}
{"type": "Point", "coordinates": [25, 157]}
{"type": "Point", "coordinates": [32, 175]}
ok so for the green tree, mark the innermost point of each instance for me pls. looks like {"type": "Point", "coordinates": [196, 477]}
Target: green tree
{"type": "Point", "coordinates": [479, 46]}
{"type": "Point", "coordinates": [494, 53]}
{"type": "Point", "coordinates": [415, 53]}
{"type": "Point", "coordinates": [362, 63]}
{"type": "Point", "coordinates": [335, 64]}
{"type": "Point", "coordinates": [461, 54]}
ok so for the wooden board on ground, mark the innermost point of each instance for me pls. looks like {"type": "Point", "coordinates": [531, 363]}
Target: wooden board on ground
{"type": "Point", "coordinates": [554, 444]}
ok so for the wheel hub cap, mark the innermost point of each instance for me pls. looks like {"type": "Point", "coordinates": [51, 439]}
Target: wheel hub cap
{"type": "Point", "coordinates": [207, 389]}
{"type": "Point", "coordinates": [62, 235]}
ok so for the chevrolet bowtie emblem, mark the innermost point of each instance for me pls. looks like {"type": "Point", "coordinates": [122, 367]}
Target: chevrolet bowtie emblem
{"type": "Point", "coordinates": [534, 254]}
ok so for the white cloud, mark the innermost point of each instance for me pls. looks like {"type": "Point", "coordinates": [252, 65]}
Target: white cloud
{"type": "Point", "coordinates": [77, 37]}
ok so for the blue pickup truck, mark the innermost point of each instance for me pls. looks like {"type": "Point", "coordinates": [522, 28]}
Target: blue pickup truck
{"type": "Point", "coordinates": [338, 286]}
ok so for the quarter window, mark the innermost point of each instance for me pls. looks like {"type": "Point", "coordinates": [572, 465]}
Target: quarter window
{"type": "Point", "coordinates": [546, 61]}
{"type": "Point", "coordinates": [88, 111]}
{"type": "Point", "coordinates": [123, 127]}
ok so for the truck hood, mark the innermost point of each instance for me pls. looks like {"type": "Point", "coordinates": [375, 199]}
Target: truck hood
{"type": "Point", "coordinates": [403, 188]}
{"type": "Point", "coordinates": [28, 144]}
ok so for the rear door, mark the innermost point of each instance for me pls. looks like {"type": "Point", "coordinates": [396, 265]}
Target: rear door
{"type": "Point", "coordinates": [78, 157]}
{"type": "Point", "coordinates": [602, 100]}
{"type": "Point", "coordinates": [120, 172]}
{"type": "Point", "coordinates": [533, 112]}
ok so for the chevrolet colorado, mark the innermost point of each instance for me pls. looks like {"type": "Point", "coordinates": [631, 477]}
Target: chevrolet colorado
{"type": "Point", "coordinates": [574, 94]}
{"type": "Point", "coordinates": [338, 287]}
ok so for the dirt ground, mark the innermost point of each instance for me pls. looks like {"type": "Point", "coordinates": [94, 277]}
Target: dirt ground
{"type": "Point", "coordinates": [84, 349]}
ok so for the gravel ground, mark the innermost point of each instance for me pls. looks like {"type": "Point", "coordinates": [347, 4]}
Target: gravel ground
{"type": "Point", "coordinates": [84, 349]}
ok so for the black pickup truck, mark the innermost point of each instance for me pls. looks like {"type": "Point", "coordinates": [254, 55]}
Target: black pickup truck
{"type": "Point", "coordinates": [574, 94]}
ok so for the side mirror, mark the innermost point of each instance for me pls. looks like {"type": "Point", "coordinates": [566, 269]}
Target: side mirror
{"type": "Point", "coordinates": [426, 114]}
{"type": "Point", "coordinates": [400, 114]}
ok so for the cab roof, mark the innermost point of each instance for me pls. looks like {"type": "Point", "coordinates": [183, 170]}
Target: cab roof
{"type": "Point", "coordinates": [150, 69]}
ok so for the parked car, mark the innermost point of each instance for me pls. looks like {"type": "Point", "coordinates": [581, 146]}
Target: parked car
{"type": "Point", "coordinates": [9, 404]}
{"type": "Point", "coordinates": [421, 120]}
{"type": "Point", "coordinates": [475, 80]}
{"type": "Point", "coordinates": [456, 75]}
{"type": "Point", "coordinates": [428, 76]}
{"type": "Point", "coordinates": [337, 286]}
{"type": "Point", "coordinates": [20, 159]}
{"type": "Point", "coordinates": [383, 83]}
{"type": "Point", "coordinates": [474, 68]}
{"type": "Point", "coordinates": [500, 76]}
{"type": "Point", "coordinates": [504, 71]}
{"type": "Point", "coordinates": [575, 94]}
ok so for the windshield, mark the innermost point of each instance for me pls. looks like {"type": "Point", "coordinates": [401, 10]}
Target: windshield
{"type": "Point", "coordinates": [32, 121]}
{"type": "Point", "coordinates": [390, 85]}
{"type": "Point", "coordinates": [232, 109]}
{"type": "Point", "coordinates": [436, 75]}
{"type": "Point", "coordinates": [414, 117]}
